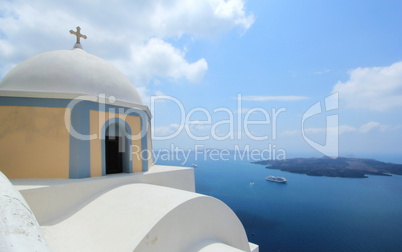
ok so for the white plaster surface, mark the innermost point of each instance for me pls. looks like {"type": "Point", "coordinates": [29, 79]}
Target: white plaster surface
{"type": "Point", "coordinates": [215, 247]}
{"type": "Point", "coordinates": [151, 211]}
{"type": "Point", "coordinates": [254, 247]}
{"type": "Point", "coordinates": [52, 200]}
{"type": "Point", "coordinates": [70, 71]}
{"type": "Point", "coordinates": [142, 217]}
{"type": "Point", "coordinates": [19, 230]}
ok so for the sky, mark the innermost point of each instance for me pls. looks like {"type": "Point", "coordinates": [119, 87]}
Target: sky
{"type": "Point", "coordinates": [312, 77]}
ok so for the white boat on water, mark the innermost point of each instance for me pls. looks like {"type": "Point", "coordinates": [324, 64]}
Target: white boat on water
{"type": "Point", "coordinates": [276, 179]}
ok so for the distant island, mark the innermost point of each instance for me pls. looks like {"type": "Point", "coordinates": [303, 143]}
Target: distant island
{"type": "Point", "coordinates": [338, 167]}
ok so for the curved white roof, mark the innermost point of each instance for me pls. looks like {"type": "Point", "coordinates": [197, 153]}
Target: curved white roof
{"type": "Point", "coordinates": [142, 217]}
{"type": "Point", "coordinates": [70, 72]}
{"type": "Point", "coordinates": [152, 211]}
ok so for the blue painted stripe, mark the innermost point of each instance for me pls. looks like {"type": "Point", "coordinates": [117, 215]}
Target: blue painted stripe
{"type": "Point", "coordinates": [80, 166]}
{"type": "Point", "coordinates": [33, 102]}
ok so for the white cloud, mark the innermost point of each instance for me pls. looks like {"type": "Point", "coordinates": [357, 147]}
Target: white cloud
{"type": "Point", "coordinates": [159, 93]}
{"type": "Point", "coordinates": [146, 95]}
{"type": "Point", "coordinates": [373, 88]}
{"type": "Point", "coordinates": [326, 70]}
{"type": "Point", "coordinates": [131, 34]}
{"type": "Point", "coordinates": [233, 10]}
{"type": "Point", "coordinates": [290, 132]}
{"type": "Point", "coordinates": [274, 98]}
{"type": "Point", "coordinates": [199, 125]}
{"type": "Point", "coordinates": [346, 129]}
{"type": "Point", "coordinates": [342, 129]}
{"type": "Point", "coordinates": [166, 130]}
{"type": "Point", "coordinates": [365, 128]}
{"type": "Point", "coordinates": [6, 49]}
{"type": "Point", "coordinates": [158, 58]}
{"type": "Point", "coordinates": [371, 126]}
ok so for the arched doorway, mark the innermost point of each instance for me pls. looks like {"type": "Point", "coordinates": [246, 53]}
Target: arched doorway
{"type": "Point", "coordinates": [117, 148]}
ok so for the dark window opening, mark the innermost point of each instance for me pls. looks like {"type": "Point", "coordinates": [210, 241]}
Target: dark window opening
{"type": "Point", "coordinates": [114, 155]}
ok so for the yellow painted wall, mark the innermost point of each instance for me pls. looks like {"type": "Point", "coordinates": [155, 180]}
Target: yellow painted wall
{"type": "Point", "coordinates": [135, 125]}
{"type": "Point", "coordinates": [96, 144]}
{"type": "Point", "coordinates": [97, 120]}
{"type": "Point", "coordinates": [34, 142]}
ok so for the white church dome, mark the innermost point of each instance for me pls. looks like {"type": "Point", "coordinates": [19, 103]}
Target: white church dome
{"type": "Point", "coordinates": [70, 72]}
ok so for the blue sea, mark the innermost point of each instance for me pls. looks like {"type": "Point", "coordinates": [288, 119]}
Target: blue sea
{"type": "Point", "coordinates": [308, 213]}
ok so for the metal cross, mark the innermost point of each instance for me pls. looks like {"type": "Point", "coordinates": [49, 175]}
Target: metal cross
{"type": "Point", "coordinates": [78, 34]}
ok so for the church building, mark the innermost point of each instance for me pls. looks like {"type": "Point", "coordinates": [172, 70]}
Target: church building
{"type": "Point", "coordinates": [76, 170]}
{"type": "Point", "coordinates": [70, 114]}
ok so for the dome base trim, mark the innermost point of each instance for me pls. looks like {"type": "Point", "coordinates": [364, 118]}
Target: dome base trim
{"type": "Point", "coordinates": [72, 96]}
